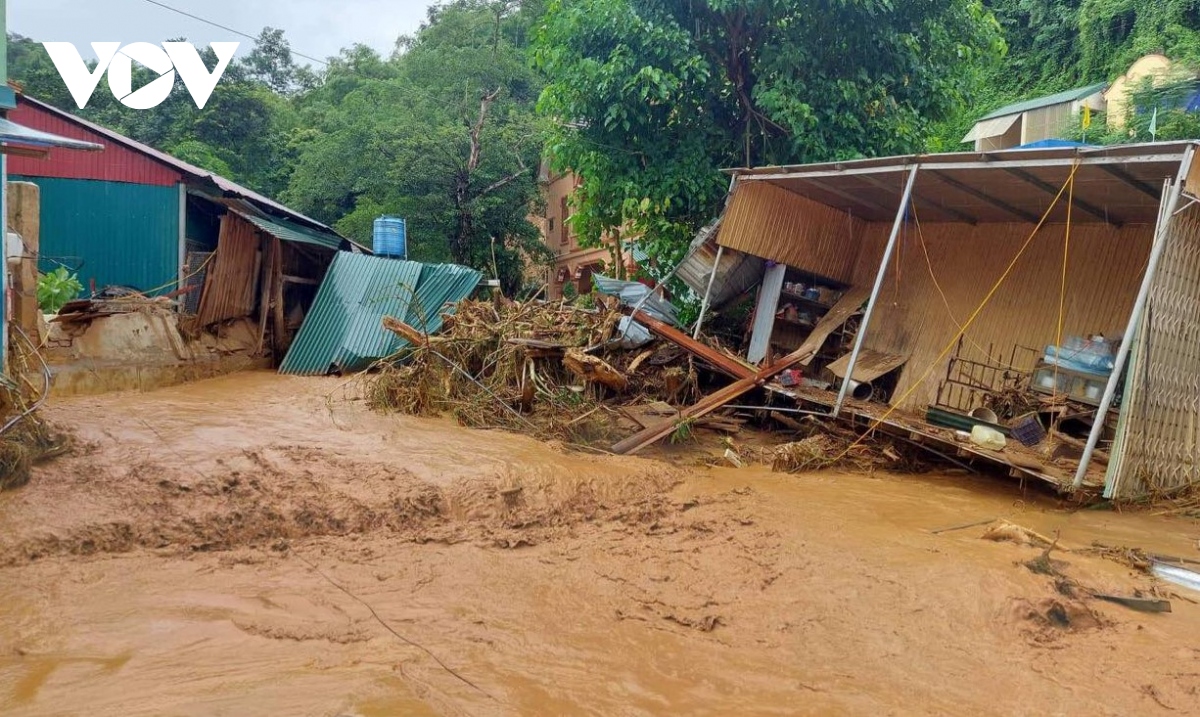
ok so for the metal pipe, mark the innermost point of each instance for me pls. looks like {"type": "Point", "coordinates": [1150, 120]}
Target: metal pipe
{"type": "Point", "coordinates": [861, 390]}
{"type": "Point", "coordinates": [1162, 229]}
{"type": "Point", "coordinates": [712, 277]}
{"type": "Point", "coordinates": [883, 265]}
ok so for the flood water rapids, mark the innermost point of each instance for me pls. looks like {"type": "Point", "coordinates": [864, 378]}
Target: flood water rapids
{"type": "Point", "coordinates": [260, 544]}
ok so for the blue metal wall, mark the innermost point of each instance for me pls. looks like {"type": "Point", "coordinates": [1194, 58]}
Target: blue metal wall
{"type": "Point", "coordinates": [110, 232]}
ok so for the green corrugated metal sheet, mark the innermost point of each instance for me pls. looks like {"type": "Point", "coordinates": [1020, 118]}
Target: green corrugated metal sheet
{"type": "Point", "coordinates": [113, 232]}
{"type": "Point", "coordinates": [1038, 102]}
{"type": "Point", "coordinates": [288, 231]}
{"type": "Point", "coordinates": [343, 330]}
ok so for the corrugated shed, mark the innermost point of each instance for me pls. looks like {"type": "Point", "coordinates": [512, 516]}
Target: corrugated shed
{"type": "Point", "coordinates": [1160, 445]}
{"type": "Point", "coordinates": [776, 224]}
{"type": "Point", "coordinates": [117, 163]}
{"type": "Point", "coordinates": [113, 233]}
{"type": "Point", "coordinates": [439, 284]}
{"type": "Point", "coordinates": [1104, 270]}
{"type": "Point", "coordinates": [230, 283]}
{"type": "Point", "coordinates": [343, 330]}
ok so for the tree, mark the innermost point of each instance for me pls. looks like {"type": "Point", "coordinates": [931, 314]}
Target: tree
{"type": "Point", "coordinates": [649, 98]}
{"type": "Point", "coordinates": [271, 64]}
{"type": "Point", "coordinates": [443, 133]}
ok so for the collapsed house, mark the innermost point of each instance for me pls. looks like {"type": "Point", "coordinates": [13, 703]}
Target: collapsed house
{"type": "Point", "coordinates": [926, 295]}
{"type": "Point", "coordinates": [187, 274]}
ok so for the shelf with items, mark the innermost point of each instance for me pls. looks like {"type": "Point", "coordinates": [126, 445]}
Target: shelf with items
{"type": "Point", "coordinates": [791, 296]}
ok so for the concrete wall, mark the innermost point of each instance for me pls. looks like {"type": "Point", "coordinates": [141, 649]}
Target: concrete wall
{"type": "Point", "coordinates": [1155, 67]}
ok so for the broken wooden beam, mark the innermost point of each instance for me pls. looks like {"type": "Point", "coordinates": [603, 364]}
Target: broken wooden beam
{"type": "Point", "coordinates": [591, 368]}
{"type": "Point", "coordinates": [718, 360]}
{"type": "Point", "coordinates": [712, 402]}
{"type": "Point", "coordinates": [404, 331]}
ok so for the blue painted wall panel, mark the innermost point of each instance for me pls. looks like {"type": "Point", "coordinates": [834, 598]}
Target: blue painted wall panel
{"type": "Point", "coordinates": [110, 232]}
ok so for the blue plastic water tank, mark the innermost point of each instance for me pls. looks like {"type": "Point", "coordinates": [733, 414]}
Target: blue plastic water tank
{"type": "Point", "coordinates": [390, 237]}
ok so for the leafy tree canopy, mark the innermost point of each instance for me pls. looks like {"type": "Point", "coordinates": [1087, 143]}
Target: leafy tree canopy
{"type": "Point", "coordinates": [1055, 45]}
{"type": "Point", "coordinates": [649, 98]}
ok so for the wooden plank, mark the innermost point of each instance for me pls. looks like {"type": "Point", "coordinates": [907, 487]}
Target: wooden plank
{"type": "Point", "coordinates": [711, 402]}
{"type": "Point", "coordinates": [301, 280]}
{"type": "Point", "coordinates": [716, 359]}
{"type": "Point", "coordinates": [847, 306]}
{"type": "Point", "coordinates": [264, 286]}
{"type": "Point", "coordinates": [279, 330]}
{"type": "Point", "coordinates": [871, 365]}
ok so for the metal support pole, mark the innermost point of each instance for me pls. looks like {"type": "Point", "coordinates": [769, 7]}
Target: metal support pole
{"type": "Point", "coordinates": [1161, 232]}
{"type": "Point", "coordinates": [712, 277]}
{"type": "Point", "coordinates": [883, 265]}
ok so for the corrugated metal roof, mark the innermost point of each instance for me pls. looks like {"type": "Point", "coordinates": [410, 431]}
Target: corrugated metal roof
{"type": "Point", "coordinates": [1057, 98]}
{"type": "Point", "coordinates": [117, 163]}
{"type": "Point", "coordinates": [20, 135]}
{"type": "Point", "coordinates": [343, 330]}
{"type": "Point", "coordinates": [225, 185]}
{"type": "Point", "coordinates": [1117, 185]}
{"type": "Point", "coordinates": [287, 231]}
{"type": "Point", "coordinates": [736, 273]}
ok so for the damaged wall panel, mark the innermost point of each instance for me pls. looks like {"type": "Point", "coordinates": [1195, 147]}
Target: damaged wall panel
{"type": "Point", "coordinates": [776, 224]}
{"type": "Point", "coordinates": [1104, 270]}
{"type": "Point", "coordinates": [229, 288]}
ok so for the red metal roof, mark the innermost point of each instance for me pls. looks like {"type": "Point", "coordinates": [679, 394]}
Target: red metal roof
{"type": "Point", "coordinates": [116, 163]}
{"type": "Point", "coordinates": [132, 161]}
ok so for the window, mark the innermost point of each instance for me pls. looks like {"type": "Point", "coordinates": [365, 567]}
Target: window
{"type": "Point", "coordinates": [564, 236]}
{"type": "Point", "coordinates": [550, 225]}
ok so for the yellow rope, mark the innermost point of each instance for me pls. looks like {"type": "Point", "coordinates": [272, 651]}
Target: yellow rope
{"type": "Point", "coordinates": [1062, 293]}
{"type": "Point", "coordinates": [970, 320]}
{"type": "Point", "coordinates": [946, 302]}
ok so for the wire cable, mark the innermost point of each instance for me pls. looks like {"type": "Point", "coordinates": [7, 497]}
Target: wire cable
{"type": "Point", "coordinates": [226, 28]}
{"type": "Point", "coordinates": [45, 383]}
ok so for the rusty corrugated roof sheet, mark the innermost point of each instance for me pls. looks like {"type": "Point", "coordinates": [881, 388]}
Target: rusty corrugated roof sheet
{"type": "Point", "coordinates": [343, 330]}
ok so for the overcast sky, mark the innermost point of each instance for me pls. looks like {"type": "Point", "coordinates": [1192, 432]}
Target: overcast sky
{"type": "Point", "coordinates": [314, 27]}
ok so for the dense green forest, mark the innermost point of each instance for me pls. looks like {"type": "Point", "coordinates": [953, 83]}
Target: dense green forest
{"type": "Point", "coordinates": [645, 99]}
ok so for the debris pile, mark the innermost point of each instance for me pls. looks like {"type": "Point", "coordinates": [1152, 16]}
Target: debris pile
{"type": "Point", "coordinates": [25, 438]}
{"type": "Point", "coordinates": [555, 370]}
{"type": "Point", "coordinates": [829, 447]}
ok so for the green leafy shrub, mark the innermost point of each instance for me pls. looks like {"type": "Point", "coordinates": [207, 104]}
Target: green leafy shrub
{"type": "Point", "coordinates": [57, 288]}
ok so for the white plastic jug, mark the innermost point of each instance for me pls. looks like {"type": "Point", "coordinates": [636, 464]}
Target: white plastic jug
{"type": "Point", "coordinates": [987, 437]}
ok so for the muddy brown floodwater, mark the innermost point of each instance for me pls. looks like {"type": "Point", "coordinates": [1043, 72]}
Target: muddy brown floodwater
{"type": "Point", "coordinates": [260, 545]}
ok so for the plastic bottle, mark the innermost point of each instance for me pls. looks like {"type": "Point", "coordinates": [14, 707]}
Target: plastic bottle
{"type": "Point", "coordinates": [987, 437]}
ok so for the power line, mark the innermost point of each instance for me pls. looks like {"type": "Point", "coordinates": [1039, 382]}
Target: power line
{"type": "Point", "coordinates": [229, 29]}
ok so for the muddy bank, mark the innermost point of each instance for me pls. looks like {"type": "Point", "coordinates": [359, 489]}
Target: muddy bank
{"type": "Point", "coordinates": [258, 545]}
